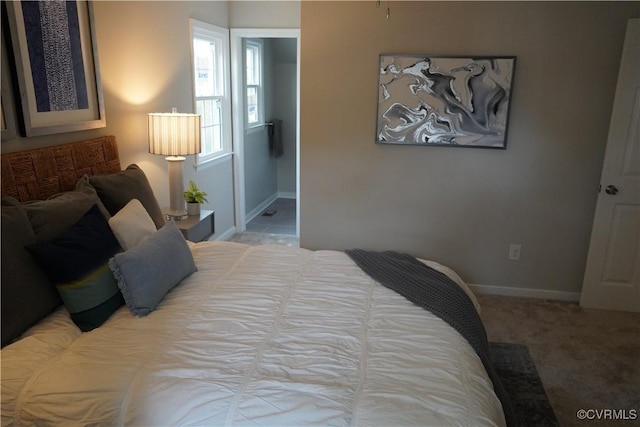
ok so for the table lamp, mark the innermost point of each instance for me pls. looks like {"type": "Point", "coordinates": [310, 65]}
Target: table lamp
{"type": "Point", "coordinates": [174, 135]}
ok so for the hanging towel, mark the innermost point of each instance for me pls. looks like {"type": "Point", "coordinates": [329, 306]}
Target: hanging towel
{"type": "Point", "coordinates": [275, 138]}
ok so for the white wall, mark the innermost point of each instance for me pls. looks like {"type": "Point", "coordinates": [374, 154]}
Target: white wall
{"type": "Point", "coordinates": [461, 206]}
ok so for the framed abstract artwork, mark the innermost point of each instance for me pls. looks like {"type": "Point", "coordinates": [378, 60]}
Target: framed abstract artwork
{"type": "Point", "coordinates": [444, 101]}
{"type": "Point", "coordinates": [57, 69]}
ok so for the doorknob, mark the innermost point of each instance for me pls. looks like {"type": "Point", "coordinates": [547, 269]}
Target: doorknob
{"type": "Point", "coordinates": [611, 189]}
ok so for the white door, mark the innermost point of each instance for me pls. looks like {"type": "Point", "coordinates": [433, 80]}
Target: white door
{"type": "Point", "coordinates": [612, 276]}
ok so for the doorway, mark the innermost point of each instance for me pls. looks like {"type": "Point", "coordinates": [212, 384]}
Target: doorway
{"type": "Point", "coordinates": [252, 156]}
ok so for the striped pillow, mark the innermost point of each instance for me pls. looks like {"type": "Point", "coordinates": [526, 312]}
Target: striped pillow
{"type": "Point", "coordinates": [77, 263]}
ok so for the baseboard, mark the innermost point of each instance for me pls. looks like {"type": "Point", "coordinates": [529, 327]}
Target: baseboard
{"type": "Point", "coordinates": [262, 206]}
{"type": "Point", "coordinates": [525, 292]}
{"type": "Point", "coordinates": [227, 234]}
{"type": "Point", "coordinates": [287, 195]}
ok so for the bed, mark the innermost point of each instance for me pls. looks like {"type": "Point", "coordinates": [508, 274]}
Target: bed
{"type": "Point", "coordinates": [238, 335]}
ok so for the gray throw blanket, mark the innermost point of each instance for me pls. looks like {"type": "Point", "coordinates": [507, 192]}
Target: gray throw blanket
{"type": "Point", "coordinates": [437, 293]}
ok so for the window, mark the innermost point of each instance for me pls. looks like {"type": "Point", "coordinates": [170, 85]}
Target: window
{"type": "Point", "coordinates": [210, 48]}
{"type": "Point", "coordinates": [253, 83]}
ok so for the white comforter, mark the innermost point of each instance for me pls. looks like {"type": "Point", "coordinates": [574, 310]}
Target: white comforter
{"type": "Point", "coordinates": [264, 335]}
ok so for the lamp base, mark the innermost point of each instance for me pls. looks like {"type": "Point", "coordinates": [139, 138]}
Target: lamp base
{"type": "Point", "coordinates": [176, 215]}
{"type": "Point", "coordinates": [177, 209]}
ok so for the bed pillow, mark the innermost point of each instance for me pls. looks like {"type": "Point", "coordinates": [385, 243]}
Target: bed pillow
{"type": "Point", "coordinates": [49, 218]}
{"type": "Point", "coordinates": [132, 224]}
{"type": "Point", "coordinates": [149, 271]}
{"type": "Point", "coordinates": [83, 186]}
{"type": "Point", "coordinates": [27, 293]}
{"type": "Point", "coordinates": [117, 189]}
{"type": "Point", "coordinates": [77, 263]}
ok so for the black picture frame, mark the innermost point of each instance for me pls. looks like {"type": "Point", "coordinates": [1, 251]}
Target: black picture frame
{"type": "Point", "coordinates": [454, 101]}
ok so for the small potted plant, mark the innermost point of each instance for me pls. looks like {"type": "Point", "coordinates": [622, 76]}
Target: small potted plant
{"type": "Point", "coordinates": [194, 197]}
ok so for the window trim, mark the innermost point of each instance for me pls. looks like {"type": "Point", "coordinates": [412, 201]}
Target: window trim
{"type": "Point", "coordinates": [259, 124]}
{"type": "Point", "coordinates": [219, 35]}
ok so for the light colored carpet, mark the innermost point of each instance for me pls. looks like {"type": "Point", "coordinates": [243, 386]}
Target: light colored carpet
{"type": "Point", "coordinates": [252, 238]}
{"type": "Point", "coordinates": [587, 359]}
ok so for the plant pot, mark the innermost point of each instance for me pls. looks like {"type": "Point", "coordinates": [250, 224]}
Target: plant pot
{"type": "Point", "coordinates": [193, 209]}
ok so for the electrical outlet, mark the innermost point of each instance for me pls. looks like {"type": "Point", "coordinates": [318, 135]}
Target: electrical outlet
{"type": "Point", "coordinates": [514, 252]}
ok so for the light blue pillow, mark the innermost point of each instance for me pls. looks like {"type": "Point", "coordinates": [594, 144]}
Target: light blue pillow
{"type": "Point", "coordinates": [147, 272]}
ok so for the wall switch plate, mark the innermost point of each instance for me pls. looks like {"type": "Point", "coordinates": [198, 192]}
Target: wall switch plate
{"type": "Point", "coordinates": [514, 252]}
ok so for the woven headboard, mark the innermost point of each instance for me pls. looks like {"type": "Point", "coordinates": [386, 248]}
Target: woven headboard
{"type": "Point", "coordinates": [40, 173]}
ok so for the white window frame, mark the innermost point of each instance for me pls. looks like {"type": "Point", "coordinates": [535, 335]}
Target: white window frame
{"type": "Point", "coordinates": [257, 46]}
{"type": "Point", "coordinates": [220, 37]}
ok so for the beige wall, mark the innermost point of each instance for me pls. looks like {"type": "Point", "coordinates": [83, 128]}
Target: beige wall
{"type": "Point", "coordinates": [459, 206]}
{"type": "Point", "coordinates": [144, 53]}
{"type": "Point", "coordinates": [462, 207]}
{"type": "Point", "coordinates": [264, 14]}
{"type": "Point", "coordinates": [145, 65]}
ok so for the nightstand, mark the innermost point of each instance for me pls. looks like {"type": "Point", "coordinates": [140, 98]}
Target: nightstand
{"type": "Point", "coordinates": [198, 229]}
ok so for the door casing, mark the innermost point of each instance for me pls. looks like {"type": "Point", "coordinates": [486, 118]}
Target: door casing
{"type": "Point", "coordinates": [237, 108]}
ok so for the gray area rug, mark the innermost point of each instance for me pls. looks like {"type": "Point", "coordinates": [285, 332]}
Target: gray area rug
{"type": "Point", "coordinates": [520, 378]}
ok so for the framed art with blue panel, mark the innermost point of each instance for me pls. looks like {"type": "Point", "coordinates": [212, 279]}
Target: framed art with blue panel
{"type": "Point", "coordinates": [56, 60]}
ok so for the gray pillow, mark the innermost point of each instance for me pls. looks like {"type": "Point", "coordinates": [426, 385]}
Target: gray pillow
{"type": "Point", "coordinates": [117, 189]}
{"type": "Point", "coordinates": [83, 186]}
{"type": "Point", "coordinates": [50, 218]}
{"type": "Point", "coordinates": [147, 272]}
{"type": "Point", "coordinates": [27, 293]}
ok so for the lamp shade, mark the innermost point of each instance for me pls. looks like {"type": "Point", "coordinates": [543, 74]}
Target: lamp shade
{"type": "Point", "coordinates": [174, 134]}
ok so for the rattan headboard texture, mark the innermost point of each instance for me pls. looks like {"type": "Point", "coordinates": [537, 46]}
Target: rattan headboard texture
{"type": "Point", "coordinates": [43, 172]}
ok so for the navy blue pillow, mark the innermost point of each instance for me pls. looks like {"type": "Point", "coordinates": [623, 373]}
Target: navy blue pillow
{"type": "Point", "coordinates": [77, 263]}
